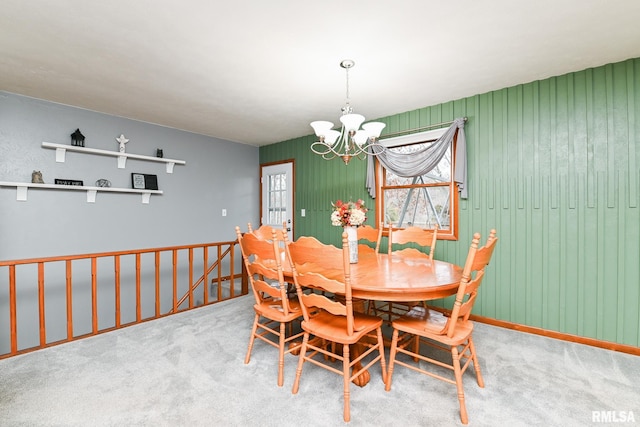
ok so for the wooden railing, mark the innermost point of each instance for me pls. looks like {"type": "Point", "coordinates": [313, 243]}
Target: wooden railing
{"type": "Point", "coordinates": [49, 301]}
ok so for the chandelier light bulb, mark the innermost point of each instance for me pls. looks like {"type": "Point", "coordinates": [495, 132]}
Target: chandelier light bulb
{"type": "Point", "coordinates": [331, 137]}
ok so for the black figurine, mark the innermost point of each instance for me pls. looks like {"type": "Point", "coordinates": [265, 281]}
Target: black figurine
{"type": "Point", "coordinates": [77, 138]}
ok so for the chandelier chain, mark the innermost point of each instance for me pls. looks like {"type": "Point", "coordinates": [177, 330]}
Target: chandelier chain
{"type": "Point", "coordinates": [347, 108]}
{"type": "Point", "coordinates": [347, 86]}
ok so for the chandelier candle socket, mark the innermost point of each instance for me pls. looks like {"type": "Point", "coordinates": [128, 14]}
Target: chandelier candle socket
{"type": "Point", "coordinates": [350, 141]}
{"type": "Point", "coordinates": [349, 216]}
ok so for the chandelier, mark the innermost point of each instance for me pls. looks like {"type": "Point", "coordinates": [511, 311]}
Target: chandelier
{"type": "Point", "coordinates": [350, 141]}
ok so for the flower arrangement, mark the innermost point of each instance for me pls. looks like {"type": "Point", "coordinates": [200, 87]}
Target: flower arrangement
{"type": "Point", "coordinates": [349, 213]}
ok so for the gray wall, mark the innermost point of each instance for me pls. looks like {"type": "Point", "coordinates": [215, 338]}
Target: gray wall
{"type": "Point", "coordinates": [218, 174]}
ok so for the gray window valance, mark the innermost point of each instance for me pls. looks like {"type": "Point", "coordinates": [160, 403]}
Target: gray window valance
{"type": "Point", "coordinates": [421, 162]}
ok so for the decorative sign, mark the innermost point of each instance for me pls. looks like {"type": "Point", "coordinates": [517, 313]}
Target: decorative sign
{"type": "Point", "coordinates": [74, 182]}
{"type": "Point", "coordinates": [144, 181]}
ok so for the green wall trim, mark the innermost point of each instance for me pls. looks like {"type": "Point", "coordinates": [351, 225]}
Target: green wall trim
{"type": "Point", "coordinates": [553, 166]}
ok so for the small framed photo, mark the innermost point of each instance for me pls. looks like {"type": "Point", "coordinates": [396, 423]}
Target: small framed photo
{"type": "Point", "coordinates": [144, 181]}
{"type": "Point", "coordinates": [137, 180]}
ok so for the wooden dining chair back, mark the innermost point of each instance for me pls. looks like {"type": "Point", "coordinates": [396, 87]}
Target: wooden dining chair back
{"type": "Point", "coordinates": [424, 239]}
{"type": "Point", "coordinates": [451, 332]}
{"type": "Point", "coordinates": [369, 238]}
{"type": "Point", "coordinates": [332, 320]}
{"type": "Point", "coordinates": [274, 310]}
{"type": "Point", "coordinates": [265, 231]}
{"type": "Point", "coordinates": [477, 260]}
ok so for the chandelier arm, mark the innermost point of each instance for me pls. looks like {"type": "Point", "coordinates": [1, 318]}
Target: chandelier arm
{"type": "Point", "coordinates": [327, 152]}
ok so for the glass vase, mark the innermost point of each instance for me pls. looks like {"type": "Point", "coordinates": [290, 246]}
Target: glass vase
{"type": "Point", "coordinates": [352, 237]}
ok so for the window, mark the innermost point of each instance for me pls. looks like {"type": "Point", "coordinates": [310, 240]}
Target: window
{"type": "Point", "coordinates": [422, 201]}
{"type": "Point", "coordinates": [276, 199]}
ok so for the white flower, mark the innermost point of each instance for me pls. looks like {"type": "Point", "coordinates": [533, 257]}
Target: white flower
{"type": "Point", "coordinates": [357, 217]}
{"type": "Point", "coordinates": [335, 218]}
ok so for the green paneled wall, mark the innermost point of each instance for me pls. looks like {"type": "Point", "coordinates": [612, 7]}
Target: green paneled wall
{"type": "Point", "coordinates": [553, 166]}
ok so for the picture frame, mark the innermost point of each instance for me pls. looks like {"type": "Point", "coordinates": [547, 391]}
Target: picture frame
{"type": "Point", "coordinates": [144, 181]}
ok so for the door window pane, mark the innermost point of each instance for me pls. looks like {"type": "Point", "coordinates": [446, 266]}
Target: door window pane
{"type": "Point", "coordinates": [276, 198]}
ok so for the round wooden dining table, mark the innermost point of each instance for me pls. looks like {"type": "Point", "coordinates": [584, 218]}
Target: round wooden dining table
{"type": "Point", "coordinates": [383, 277]}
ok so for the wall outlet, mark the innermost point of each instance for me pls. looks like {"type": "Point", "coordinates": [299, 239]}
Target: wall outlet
{"type": "Point", "coordinates": [224, 212]}
{"type": "Point", "coordinates": [303, 212]}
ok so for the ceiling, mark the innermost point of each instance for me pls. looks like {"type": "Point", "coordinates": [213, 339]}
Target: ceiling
{"type": "Point", "coordinates": [257, 72]}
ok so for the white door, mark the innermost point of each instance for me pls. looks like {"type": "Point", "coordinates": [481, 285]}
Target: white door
{"type": "Point", "coordinates": [277, 195]}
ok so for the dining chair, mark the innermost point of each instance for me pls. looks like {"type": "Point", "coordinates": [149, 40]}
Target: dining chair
{"type": "Point", "coordinates": [265, 231]}
{"type": "Point", "coordinates": [369, 238]}
{"type": "Point", "coordinates": [333, 323]}
{"type": "Point", "coordinates": [450, 332]}
{"type": "Point", "coordinates": [274, 310]}
{"type": "Point", "coordinates": [426, 240]}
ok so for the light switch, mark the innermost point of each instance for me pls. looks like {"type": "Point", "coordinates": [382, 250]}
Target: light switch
{"type": "Point", "coordinates": [303, 212]}
{"type": "Point", "coordinates": [224, 212]}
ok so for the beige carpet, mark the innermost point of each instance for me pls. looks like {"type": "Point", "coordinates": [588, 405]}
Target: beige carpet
{"type": "Point", "coordinates": [188, 370]}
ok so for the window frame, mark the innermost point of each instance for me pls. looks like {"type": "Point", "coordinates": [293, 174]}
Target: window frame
{"type": "Point", "coordinates": [418, 138]}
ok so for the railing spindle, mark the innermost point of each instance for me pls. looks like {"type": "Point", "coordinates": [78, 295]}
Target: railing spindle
{"type": "Point", "coordinates": [41, 313]}
{"type": "Point", "coordinates": [117, 289]}
{"type": "Point", "coordinates": [157, 284]}
{"type": "Point", "coordinates": [12, 309]}
{"type": "Point", "coordinates": [69, 293]}
{"type": "Point", "coordinates": [205, 273]}
{"type": "Point", "coordinates": [175, 280]}
{"type": "Point", "coordinates": [190, 277]}
{"type": "Point", "coordinates": [94, 295]}
{"type": "Point", "coordinates": [138, 299]}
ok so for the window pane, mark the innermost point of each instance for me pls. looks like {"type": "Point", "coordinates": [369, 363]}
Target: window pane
{"type": "Point", "coordinates": [423, 207]}
{"type": "Point", "coordinates": [276, 189]}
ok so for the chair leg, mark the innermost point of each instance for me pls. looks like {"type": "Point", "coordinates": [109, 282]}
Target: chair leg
{"type": "Point", "coordinates": [392, 359]}
{"type": "Point", "coordinates": [383, 363]}
{"type": "Point", "coordinates": [247, 358]}
{"type": "Point", "coordinates": [346, 374]}
{"type": "Point", "coordinates": [301, 358]}
{"type": "Point", "coordinates": [281, 339]}
{"type": "Point", "coordinates": [416, 348]}
{"type": "Point", "coordinates": [458, 374]}
{"type": "Point", "coordinates": [476, 363]}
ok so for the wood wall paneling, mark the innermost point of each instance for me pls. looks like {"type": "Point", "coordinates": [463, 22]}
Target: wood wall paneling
{"type": "Point", "coordinates": [553, 166]}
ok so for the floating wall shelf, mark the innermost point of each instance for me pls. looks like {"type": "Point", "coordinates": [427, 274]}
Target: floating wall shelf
{"type": "Point", "coordinates": [22, 187]}
{"type": "Point", "coordinates": [61, 150]}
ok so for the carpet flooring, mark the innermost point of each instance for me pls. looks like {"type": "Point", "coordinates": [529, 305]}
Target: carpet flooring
{"type": "Point", "coordinates": [188, 370]}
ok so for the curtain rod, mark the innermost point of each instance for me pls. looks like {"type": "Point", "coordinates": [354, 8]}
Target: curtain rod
{"type": "Point", "coordinates": [420, 128]}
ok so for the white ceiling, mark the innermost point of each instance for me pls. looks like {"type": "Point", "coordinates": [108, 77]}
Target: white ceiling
{"type": "Point", "coordinates": [258, 71]}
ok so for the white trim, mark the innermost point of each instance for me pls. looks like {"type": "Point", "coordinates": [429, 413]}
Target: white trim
{"type": "Point", "coordinates": [22, 187]}
{"type": "Point", "coordinates": [429, 135]}
{"type": "Point", "coordinates": [61, 150]}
